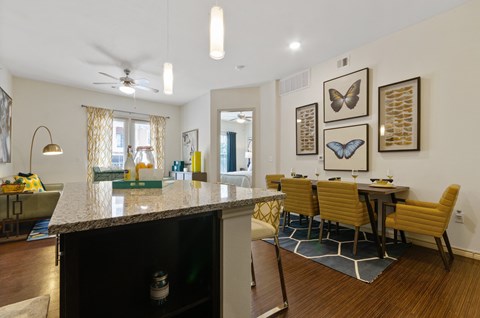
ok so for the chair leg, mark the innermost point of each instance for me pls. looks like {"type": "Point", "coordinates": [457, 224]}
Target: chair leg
{"type": "Point", "coordinates": [442, 254]}
{"type": "Point", "coordinates": [402, 234]}
{"type": "Point", "coordinates": [274, 311]}
{"type": "Point", "coordinates": [449, 247]}
{"type": "Point", "coordinates": [337, 228]}
{"type": "Point", "coordinates": [329, 226]}
{"type": "Point", "coordinates": [355, 240]}
{"type": "Point", "coordinates": [310, 220]}
{"type": "Point", "coordinates": [320, 236]}
{"type": "Point", "coordinates": [253, 282]}
{"type": "Point", "coordinates": [286, 217]}
{"type": "Point", "coordinates": [395, 234]}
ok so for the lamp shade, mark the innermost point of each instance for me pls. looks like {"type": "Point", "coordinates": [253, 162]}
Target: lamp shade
{"type": "Point", "coordinates": [127, 89]}
{"type": "Point", "coordinates": [52, 150]}
{"type": "Point", "coordinates": [167, 78]}
{"type": "Point", "coordinates": [217, 33]}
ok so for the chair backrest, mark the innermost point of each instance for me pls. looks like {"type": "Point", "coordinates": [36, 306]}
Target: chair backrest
{"type": "Point", "coordinates": [448, 200]}
{"type": "Point", "coordinates": [273, 177]}
{"type": "Point", "coordinates": [339, 202]}
{"type": "Point", "coordinates": [300, 198]}
{"type": "Point", "coordinates": [269, 212]}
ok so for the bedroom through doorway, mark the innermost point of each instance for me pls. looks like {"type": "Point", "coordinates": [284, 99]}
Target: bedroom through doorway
{"type": "Point", "coordinates": [236, 148]}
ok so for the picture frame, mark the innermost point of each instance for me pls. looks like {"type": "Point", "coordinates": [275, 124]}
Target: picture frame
{"type": "Point", "coordinates": [346, 96]}
{"type": "Point", "coordinates": [346, 148]}
{"type": "Point", "coordinates": [399, 116]}
{"type": "Point", "coordinates": [5, 127]}
{"type": "Point", "coordinates": [189, 145]}
{"type": "Point", "coordinates": [306, 131]}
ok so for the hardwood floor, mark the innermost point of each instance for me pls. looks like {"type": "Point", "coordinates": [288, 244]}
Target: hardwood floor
{"type": "Point", "coordinates": [415, 286]}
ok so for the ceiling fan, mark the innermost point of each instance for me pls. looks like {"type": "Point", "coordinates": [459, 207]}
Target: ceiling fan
{"type": "Point", "coordinates": [241, 118]}
{"type": "Point", "coordinates": [126, 84]}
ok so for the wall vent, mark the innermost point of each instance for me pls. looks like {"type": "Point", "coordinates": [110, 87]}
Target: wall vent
{"type": "Point", "coordinates": [343, 62]}
{"type": "Point", "coordinates": [295, 82]}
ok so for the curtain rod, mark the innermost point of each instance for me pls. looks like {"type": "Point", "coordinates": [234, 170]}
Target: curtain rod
{"type": "Point", "coordinates": [128, 112]}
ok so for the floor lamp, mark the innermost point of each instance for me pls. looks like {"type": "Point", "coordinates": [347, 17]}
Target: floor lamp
{"type": "Point", "coordinates": [49, 150]}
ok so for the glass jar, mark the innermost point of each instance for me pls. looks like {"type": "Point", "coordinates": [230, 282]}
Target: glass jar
{"type": "Point", "coordinates": [159, 288]}
{"type": "Point", "coordinates": [144, 159]}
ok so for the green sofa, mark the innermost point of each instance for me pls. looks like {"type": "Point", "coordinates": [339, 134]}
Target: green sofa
{"type": "Point", "coordinates": [37, 205]}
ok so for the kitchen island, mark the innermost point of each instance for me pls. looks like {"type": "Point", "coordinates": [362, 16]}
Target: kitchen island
{"type": "Point", "coordinates": [113, 240]}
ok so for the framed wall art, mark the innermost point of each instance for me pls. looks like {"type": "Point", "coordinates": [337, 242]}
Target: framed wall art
{"type": "Point", "coordinates": [189, 145]}
{"type": "Point", "coordinates": [5, 127]}
{"type": "Point", "coordinates": [346, 148]}
{"type": "Point", "coordinates": [307, 130]}
{"type": "Point", "coordinates": [399, 116]}
{"type": "Point", "coordinates": [346, 96]}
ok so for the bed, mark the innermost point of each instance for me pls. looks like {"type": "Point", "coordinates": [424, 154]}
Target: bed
{"type": "Point", "coordinates": [238, 178]}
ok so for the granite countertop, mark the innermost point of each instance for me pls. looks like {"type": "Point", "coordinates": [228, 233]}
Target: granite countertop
{"type": "Point", "coordinates": [86, 206]}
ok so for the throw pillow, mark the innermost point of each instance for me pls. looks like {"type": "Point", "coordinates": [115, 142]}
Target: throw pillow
{"type": "Point", "coordinates": [32, 183]}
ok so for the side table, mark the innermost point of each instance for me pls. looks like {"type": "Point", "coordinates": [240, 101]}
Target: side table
{"type": "Point", "coordinates": [17, 209]}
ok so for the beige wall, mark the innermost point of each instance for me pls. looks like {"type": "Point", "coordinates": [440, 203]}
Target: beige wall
{"type": "Point", "coordinates": [59, 108]}
{"type": "Point", "coordinates": [444, 52]}
{"type": "Point", "coordinates": [6, 169]}
{"type": "Point", "coordinates": [196, 115]}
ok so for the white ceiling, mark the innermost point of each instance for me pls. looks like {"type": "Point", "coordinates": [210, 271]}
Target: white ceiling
{"type": "Point", "coordinates": [68, 42]}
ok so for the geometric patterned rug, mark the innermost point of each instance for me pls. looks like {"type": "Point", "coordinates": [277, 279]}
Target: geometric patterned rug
{"type": "Point", "coordinates": [40, 231]}
{"type": "Point", "coordinates": [336, 250]}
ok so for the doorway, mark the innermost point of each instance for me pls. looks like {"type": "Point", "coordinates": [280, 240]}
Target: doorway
{"type": "Point", "coordinates": [236, 148]}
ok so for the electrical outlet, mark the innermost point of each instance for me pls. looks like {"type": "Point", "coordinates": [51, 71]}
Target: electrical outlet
{"type": "Point", "coordinates": [459, 216]}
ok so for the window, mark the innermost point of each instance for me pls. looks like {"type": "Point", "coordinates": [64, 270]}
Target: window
{"type": "Point", "coordinates": [223, 152]}
{"type": "Point", "coordinates": [128, 131]}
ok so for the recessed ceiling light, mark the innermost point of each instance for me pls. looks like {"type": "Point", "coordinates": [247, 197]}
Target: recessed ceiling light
{"type": "Point", "coordinates": [295, 45]}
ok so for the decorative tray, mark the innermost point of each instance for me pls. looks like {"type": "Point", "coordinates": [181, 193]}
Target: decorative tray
{"type": "Point", "coordinates": [142, 184]}
{"type": "Point", "coordinates": [382, 185]}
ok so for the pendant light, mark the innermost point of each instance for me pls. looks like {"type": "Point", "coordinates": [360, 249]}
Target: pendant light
{"type": "Point", "coordinates": [167, 67]}
{"type": "Point", "coordinates": [217, 33]}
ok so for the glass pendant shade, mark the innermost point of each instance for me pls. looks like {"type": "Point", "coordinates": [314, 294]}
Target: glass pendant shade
{"type": "Point", "coordinates": [168, 78]}
{"type": "Point", "coordinates": [217, 33]}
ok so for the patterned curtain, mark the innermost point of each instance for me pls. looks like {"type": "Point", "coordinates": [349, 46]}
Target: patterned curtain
{"type": "Point", "coordinates": [157, 139]}
{"type": "Point", "coordinates": [99, 139]}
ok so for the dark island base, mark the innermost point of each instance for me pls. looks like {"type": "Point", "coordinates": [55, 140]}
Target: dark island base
{"type": "Point", "coordinates": [108, 272]}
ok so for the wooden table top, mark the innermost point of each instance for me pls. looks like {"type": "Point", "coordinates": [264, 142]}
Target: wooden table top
{"type": "Point", "coordinates": [367, 188]}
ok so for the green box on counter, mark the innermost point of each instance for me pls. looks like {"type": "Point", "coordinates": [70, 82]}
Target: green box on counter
{"type": "Point", "coordinates": [142, 184]}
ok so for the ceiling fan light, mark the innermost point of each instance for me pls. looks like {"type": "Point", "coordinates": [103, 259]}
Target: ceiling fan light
{"type": "Point", "coordinates": [240, 120]}
{"type": "Point", "coordinates": [167, 78]}
{"type": "Point", "coordinates": [217, 33]}
{"type": "Point", "coordinates": [127, 89]}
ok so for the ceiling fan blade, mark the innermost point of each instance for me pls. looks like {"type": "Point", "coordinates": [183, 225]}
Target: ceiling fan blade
{"type": "Point", "coordinates": [108, 75]}
{"type": "Point", "coordinates": [102, 83]}
{"type": "Point", "coordinates": [142, 81]}
{"type": "Point", "coordinates": [145, 88]}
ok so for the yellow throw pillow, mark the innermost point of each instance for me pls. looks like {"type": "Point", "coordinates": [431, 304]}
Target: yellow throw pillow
{"type": "Point", "coordinates": [32, 183]}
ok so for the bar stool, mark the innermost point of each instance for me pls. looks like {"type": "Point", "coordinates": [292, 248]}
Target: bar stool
{"type": "Point", "coordinates": [265, 221]}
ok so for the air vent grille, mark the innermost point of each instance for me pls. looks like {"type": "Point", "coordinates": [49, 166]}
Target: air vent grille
{"type": "Point", "coordinates": [343, 62]}
{"type": "Point", "coordinates": [295, 82]}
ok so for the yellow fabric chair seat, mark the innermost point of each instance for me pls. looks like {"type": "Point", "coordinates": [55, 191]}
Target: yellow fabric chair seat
{"type": "Point", "coordinates": [262, 230]}
{"type": "Point", "coordinates": [427, 218]}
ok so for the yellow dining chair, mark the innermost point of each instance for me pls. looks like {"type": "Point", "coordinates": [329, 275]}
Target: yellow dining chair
{"type": "Point", "coordinates": [300, 199]}
{"type": "Point", "coordinates": [426, 218]}
{"type": "Point", "coordinates": [265, 221]}
{"type": "Point", "coordinates": [339, 202]}
{"type": "Point", "coordinates": [273, 177]}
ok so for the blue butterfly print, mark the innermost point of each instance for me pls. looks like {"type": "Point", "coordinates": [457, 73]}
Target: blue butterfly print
{"type": "Point", "coordinates": [340, 150]}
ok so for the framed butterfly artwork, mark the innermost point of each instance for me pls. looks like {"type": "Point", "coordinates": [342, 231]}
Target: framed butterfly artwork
{"type": "Point", "coordinates": [306, 129]}
{"type": "Point", "coordinates": [346, 96]}
{"type": "Point", "coordinates": [399, 116]}
{"type": "Point", "coordinates": [346, 148]}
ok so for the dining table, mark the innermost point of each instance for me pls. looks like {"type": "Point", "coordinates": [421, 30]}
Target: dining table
{"type": "Point", "coordinates": [368, 190]}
